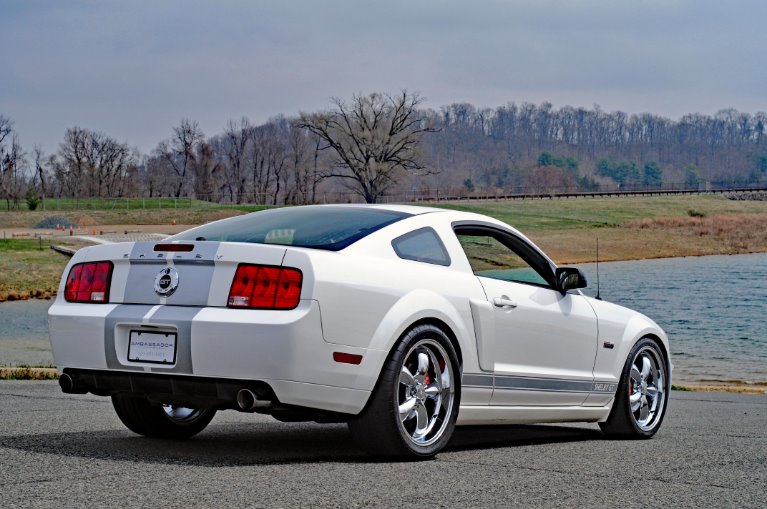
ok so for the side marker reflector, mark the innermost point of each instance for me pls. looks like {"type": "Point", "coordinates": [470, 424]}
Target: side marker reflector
{"type": "Point", "coordinates": [347, 358]}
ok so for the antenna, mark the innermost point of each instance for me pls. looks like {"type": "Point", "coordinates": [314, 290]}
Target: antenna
{"type": "Point", "coordinates": [598, 297]}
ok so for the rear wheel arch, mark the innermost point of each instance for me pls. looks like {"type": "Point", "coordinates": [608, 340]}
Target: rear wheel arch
{"type": "Point", "coordinates": [444, 327]}
{"type": "Point", "coordinates": [433, 321]}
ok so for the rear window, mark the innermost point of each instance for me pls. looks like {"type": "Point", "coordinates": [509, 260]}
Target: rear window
{"type": "Point", "coordinates": [319, 227]}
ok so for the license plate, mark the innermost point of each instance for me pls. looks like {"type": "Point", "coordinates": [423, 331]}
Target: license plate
{"type": "Point", "coordinates": [154, 347]}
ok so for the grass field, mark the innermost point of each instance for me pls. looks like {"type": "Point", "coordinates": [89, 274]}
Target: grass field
{"type": "Point", "coordinates": [27, 270]}
{"type": "Point", "coordinates": [567, 229]}
{"type": "Point", "coordinates": [631, 228]}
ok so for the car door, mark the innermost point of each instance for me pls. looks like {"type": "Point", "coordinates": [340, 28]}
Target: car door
{"type": "Point", "coordinates": [544, 341]}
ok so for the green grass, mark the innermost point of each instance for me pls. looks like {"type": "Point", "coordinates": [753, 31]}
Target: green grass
{"type": "Point", "coordinates": [564, 214]}
{"type": "Point", "coordinates": [56, 204]}
{"type": "Point", "coordinates": [165, 203]}
{"type": "Point", "coordinates": [27, 270]}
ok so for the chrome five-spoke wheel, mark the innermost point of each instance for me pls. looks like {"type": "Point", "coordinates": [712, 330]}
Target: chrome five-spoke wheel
{"type": "Point", "coordinates": [413, 409]}
{"type": "Point", "coordinates": [425, 395]}
{"type": "Point", "coordinates": [646, 388]}
{"type": "Point", "coordinates": [642, 395]}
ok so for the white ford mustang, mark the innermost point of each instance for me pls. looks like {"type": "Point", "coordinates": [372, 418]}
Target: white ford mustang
{"type": "Point", "coordinates": [402, 321]}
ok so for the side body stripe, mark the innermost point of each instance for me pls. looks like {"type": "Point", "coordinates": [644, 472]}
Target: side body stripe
{"type": "Point", "coordinates": [522, 383]}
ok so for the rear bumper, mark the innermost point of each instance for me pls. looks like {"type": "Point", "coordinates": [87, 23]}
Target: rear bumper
{"type": "Point", "coordinates": [217, 349]}
{"type": "Point", "coordinates": [218, 393]}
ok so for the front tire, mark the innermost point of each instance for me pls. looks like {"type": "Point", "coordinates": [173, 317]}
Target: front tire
{"type": "Point", "coordinates": [413, 409]}
{"type": "Point", "coordinates": [642, 396]}
{"type": "Point", "coordinates": [160, 421]}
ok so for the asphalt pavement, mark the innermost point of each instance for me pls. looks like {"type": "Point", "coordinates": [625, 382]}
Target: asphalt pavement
{"type": "Point", "coordinates": [60, 450]}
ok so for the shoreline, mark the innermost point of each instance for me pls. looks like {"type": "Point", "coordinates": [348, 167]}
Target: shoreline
{"type": "Point", "coordinates": [660, 257]}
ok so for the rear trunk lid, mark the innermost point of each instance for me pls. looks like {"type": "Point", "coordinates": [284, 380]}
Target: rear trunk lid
{"type": "Point", "coordinates": [196, 273]}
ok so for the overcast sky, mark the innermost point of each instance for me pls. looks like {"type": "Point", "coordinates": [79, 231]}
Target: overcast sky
{"type": "Point", "coordinates": [134, 69]}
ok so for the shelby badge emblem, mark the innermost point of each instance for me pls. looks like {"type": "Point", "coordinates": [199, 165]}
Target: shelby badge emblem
{"type": "Point", "coordinates": [166, 282]}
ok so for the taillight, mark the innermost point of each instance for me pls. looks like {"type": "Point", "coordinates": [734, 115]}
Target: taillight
{"type": "Point", "coordinates": [264, 287]}
{"type": "Point", "coordinates": [89, 282]}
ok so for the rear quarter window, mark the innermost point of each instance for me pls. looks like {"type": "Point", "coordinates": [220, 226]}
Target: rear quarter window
{"type": "Point", "coordinates": [422, 245]}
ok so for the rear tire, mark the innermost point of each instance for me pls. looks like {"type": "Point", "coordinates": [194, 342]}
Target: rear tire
{"type": "Point", "coordinates": [160, 421]}
{"type": "Point", "coordinates": [642, 396]}
{"type": "Point", "coordinates": [412, 411]}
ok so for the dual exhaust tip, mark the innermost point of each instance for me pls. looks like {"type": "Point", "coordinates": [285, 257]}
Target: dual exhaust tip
{"type": "Point", "coordinates": [247, 400]}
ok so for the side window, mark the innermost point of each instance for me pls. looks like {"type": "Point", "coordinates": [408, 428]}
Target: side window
{"type": "Point", "coordinates": [489, 257]}
{"type": "Point", "coordinates": [422, 245]}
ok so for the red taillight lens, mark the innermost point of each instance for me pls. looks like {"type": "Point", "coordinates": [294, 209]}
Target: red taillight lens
{"type": "Point", "coordinates": [89, 282]}
{"type": "Point", "coordinates": [288, 289]}
{"type": "Point", "coordinates": [262, 287]}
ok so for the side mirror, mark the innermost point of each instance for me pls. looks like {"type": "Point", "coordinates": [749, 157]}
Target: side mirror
{"type": "Point", "coordinates": [569, 278]}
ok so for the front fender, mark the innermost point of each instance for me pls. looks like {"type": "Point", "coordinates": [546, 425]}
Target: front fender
{"type": "Point", "coordinates": [622, 328]}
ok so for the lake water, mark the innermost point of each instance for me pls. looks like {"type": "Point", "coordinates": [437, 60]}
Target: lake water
{"type": "Point", "coordinates": [24, 333]}
{"type": "Point", "coordinates": [714, 309]}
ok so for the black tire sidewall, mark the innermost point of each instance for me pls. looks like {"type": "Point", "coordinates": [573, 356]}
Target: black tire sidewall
{"type": "Point", "coordinates": [414, 336]}
{"type": "Point", "coordinates": [377, 429]}
{"type": "Point", "coordinates": [143, 418]}
{"type": "Point", "coordinates": [621, 413]}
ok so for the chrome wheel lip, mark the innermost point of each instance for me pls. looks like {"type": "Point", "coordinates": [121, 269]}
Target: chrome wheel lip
{"type": "Point", "coordinates": [425, 393]}
{"type": "Point", "coordinates": [182, 414]}
{"type": "Point", "coordinates": [647, 388]}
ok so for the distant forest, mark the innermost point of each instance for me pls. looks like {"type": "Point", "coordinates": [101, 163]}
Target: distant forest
{"type": "Point", "coordinates": [380, 147]}
{"type": "Point", "coordinates": [538, 148]}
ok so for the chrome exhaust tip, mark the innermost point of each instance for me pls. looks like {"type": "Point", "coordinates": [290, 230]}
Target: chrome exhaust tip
{"type": "Point", "coordinates": [247, 401]}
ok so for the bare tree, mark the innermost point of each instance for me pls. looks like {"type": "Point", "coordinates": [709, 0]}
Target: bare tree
{"type": "Point", "coordinates": [305, 151]}
{"type": "Point", "coordinates": [235, 140]}
{"type": "Point", "coordinates": [41, 171]}
{"type": "Point", "coordinates": [72, 162]}
{"type": "Point", "coordinates": [90, 163]}
{"type": "Point", "coordinates": [13, 164]}
{"type": "Point", "coordinates": [6, 128]}
{"type": "Point", "coordinates": [206, 168]}
{"type": "Point", "coordinates": [180, 150]}
{"type": "Point", "coordinates": [375, 140]}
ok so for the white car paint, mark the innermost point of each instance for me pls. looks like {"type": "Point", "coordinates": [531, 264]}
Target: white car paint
{"type": "Point", "coordinates": [541, 361]}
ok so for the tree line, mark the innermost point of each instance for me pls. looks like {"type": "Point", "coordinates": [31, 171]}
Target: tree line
{"type": "Point", "coordinates": [380, 145]}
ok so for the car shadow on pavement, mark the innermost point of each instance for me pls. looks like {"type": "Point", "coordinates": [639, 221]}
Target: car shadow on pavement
{"type": "Point", "coordinates": [490, 437]}
{"type": "Point", "coordinates": [267, 443]}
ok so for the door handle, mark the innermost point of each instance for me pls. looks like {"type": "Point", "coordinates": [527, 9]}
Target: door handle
{"type": "Point", "coordinates": [504, 302]}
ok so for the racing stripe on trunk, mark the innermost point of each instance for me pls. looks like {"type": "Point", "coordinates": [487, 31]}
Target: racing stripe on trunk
{"type": "Point", "coordinates": [125, 318]}
{"type": "Point", "coordinates": [195, 271]}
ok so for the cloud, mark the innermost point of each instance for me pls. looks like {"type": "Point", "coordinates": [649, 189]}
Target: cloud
{"type": "Point", "coordinates": [134, 69]}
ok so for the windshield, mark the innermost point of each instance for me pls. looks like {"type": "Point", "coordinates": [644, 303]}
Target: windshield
{"type": "Point", "coordinates": [319, 227]}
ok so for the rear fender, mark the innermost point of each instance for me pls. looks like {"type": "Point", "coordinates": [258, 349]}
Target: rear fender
{"type": "Point", "coordinates": [414, 307]}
